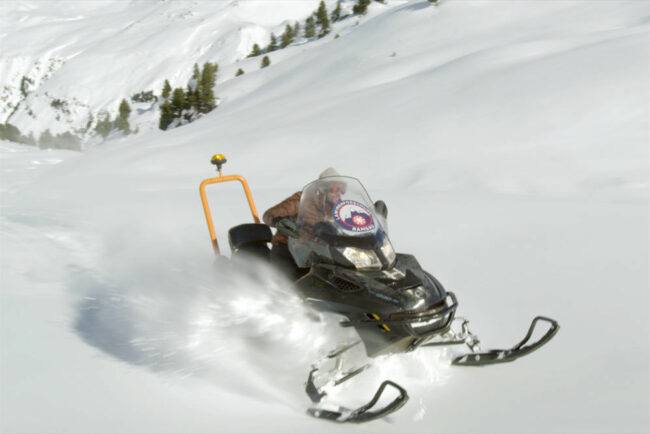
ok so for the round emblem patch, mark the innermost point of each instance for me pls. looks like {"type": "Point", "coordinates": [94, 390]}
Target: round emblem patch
{"type": "Point", "coordinates": [353, 216]}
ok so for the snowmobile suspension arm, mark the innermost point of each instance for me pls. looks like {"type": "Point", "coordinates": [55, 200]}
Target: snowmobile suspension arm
{"type": "Point", "coordinates": [206, 207]}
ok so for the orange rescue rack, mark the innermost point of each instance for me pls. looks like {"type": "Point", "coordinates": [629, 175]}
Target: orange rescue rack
{"type": "Point", "coordinates": [219, 160]}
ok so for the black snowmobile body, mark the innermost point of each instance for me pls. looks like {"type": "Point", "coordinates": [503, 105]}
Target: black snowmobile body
{"type": "Point", "coordinates": [351, 269]}
{"type": "Point", "coordinates": [392, 310]}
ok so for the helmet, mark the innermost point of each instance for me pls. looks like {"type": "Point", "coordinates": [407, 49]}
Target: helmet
{"type": "Point", "coordinates": [329, 181]}
{"type": "Point", "coordinates": [335, 185]}
{"type": "Point", "coordinates": [330, 171]}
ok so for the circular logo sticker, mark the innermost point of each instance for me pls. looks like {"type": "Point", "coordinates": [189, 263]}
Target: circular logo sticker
{"type": "Point", "coordinates": [353, 216]}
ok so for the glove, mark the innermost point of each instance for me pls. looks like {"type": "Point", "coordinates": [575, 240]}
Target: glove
{"type": "Point", "coordinates": [275, 221]}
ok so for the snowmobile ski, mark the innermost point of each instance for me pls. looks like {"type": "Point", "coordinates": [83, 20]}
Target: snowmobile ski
{"type": "Point", "coordinates": [363, 413]}
{"type": "Point", "coordinates": [521, 349]}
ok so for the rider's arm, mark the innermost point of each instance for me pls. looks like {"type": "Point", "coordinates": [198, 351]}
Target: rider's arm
{"type": "Point", "coordinates": [286, 208]}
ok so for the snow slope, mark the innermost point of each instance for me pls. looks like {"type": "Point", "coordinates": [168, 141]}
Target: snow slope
{"type": "Point", "coordinates": [510, 141]}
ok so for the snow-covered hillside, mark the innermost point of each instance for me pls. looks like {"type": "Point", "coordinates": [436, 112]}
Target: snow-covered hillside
{"type": "Point", "coordinates": [509, 140]}
{"type": "Point", "coordinates": [90, 55]}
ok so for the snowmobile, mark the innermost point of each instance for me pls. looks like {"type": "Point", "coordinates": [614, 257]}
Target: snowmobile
{"type": "Point", "coordinates": [349, 267]}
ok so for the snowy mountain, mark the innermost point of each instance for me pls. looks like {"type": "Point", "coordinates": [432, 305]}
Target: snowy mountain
{"type": "Point", "coordinates": [90, 55]}
{"type": "Point", "coordinates": [509, 140]}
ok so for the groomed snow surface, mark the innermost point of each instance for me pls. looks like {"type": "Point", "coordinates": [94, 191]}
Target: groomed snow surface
{"type": "Point", "coordinates": [509, 140]}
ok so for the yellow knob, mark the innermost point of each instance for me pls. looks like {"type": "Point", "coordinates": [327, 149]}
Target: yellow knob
{"type": "Point", "coordinates": [218, 159]}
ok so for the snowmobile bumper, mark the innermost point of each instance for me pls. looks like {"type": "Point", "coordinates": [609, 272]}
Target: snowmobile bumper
{"type": "Point", "coordinates": [419, 325]}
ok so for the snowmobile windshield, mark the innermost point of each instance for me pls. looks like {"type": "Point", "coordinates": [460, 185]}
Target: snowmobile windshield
{"type": "Point", "coordinates": [337, 223]}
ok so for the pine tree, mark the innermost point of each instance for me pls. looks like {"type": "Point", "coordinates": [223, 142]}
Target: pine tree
{"type": "Point", "coordinates": [287, 36]}
{"type": "Point", "coordinates": [46, 140]}
{"type": "Point", "coordinates": [310, 28]}
{"type": "Point", "coordinates": [361, 7]}
{"type": "Point", "coordinates": [178, 102]}
{"type": "Point", "coordinates": [206, 95]}
{"type": "Point", "coordinates": [10, 132]}
{"type": "Point", "coordinates": [67, 140]}
{"type": "Point", "coordinates": [265, 62]}
{"type": "Point", "coordinates": [166, 115]}
{"type": "Point", "coordinates": [142, 97]}
{"type": "Point", "coordinates": [104, 124]}
{"type": "Point", "coordinates": [296, 29]}
{"type": "Point", "coordinates": [30, 140]}
{"type": "Point", "coordinates": [167, 89]}
{"type": "Point", "coordinates": [196, 74]}
{"type": "Point", "coordinates": [239, 72]}
{"type": "Point", "coordinates": [125, 109]}
{"type": "Point", "coordinates": [322, 19]}
{"type": "Point", "coordinates": [209, 74]}
{"type": "Point", "coordinates": [192, 98]}
{"type": "Point", "coordinates": [26, 140]}
{"type": "Point", "coordinates": [256, 51]}
{"type": "Point", "coordinates": [336, 13]}
{"type": "Point", "coordinates": [122, 120]}
{"type": "Point", "coordinates": [273, 44]}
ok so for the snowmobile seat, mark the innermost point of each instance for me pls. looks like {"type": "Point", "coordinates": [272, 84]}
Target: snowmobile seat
{"type": "Point", "coordinates": [250, 238]}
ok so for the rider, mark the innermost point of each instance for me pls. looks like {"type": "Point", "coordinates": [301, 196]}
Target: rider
{"type": "Point", "coordinates": [313, 211]}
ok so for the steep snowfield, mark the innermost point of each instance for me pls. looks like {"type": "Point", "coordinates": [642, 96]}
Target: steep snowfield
{"type": "Point", "coordinates": [509, 139]}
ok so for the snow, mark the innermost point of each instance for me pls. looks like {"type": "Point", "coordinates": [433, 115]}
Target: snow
{"type": "Point", "coordinates": [508, 139]}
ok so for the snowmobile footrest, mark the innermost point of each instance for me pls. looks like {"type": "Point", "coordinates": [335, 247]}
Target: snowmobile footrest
{"type": "Point", "coordinates": [521, 349]}
{"type": "Point", "coordinates": [362, 414]}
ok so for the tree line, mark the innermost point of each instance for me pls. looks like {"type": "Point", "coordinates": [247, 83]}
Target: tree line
{"type": "Point", "coordinates": [318, 24]}
{"type": "Point", "coordinates": [46, 140]}
{"type": "Point", "coordinates": [197, 99]}
{"type": "Point", "coordinates": [70, 140]}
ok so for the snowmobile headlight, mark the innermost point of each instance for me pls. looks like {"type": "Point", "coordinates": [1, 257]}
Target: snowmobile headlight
{"type": "Point", "coordinates": [362, 259]}
{"type": "Point", "coordinates": [387, 251]}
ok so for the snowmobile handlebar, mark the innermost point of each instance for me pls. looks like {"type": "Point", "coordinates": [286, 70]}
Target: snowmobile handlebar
{"type": "Point", "coordinates": [287, 226]}
{"type": "Point", "coordinates": [206, 207]}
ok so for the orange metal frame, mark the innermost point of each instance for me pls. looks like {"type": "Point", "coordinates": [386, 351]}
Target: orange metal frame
{"type": "Point", "coordinates": [206, 207]}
